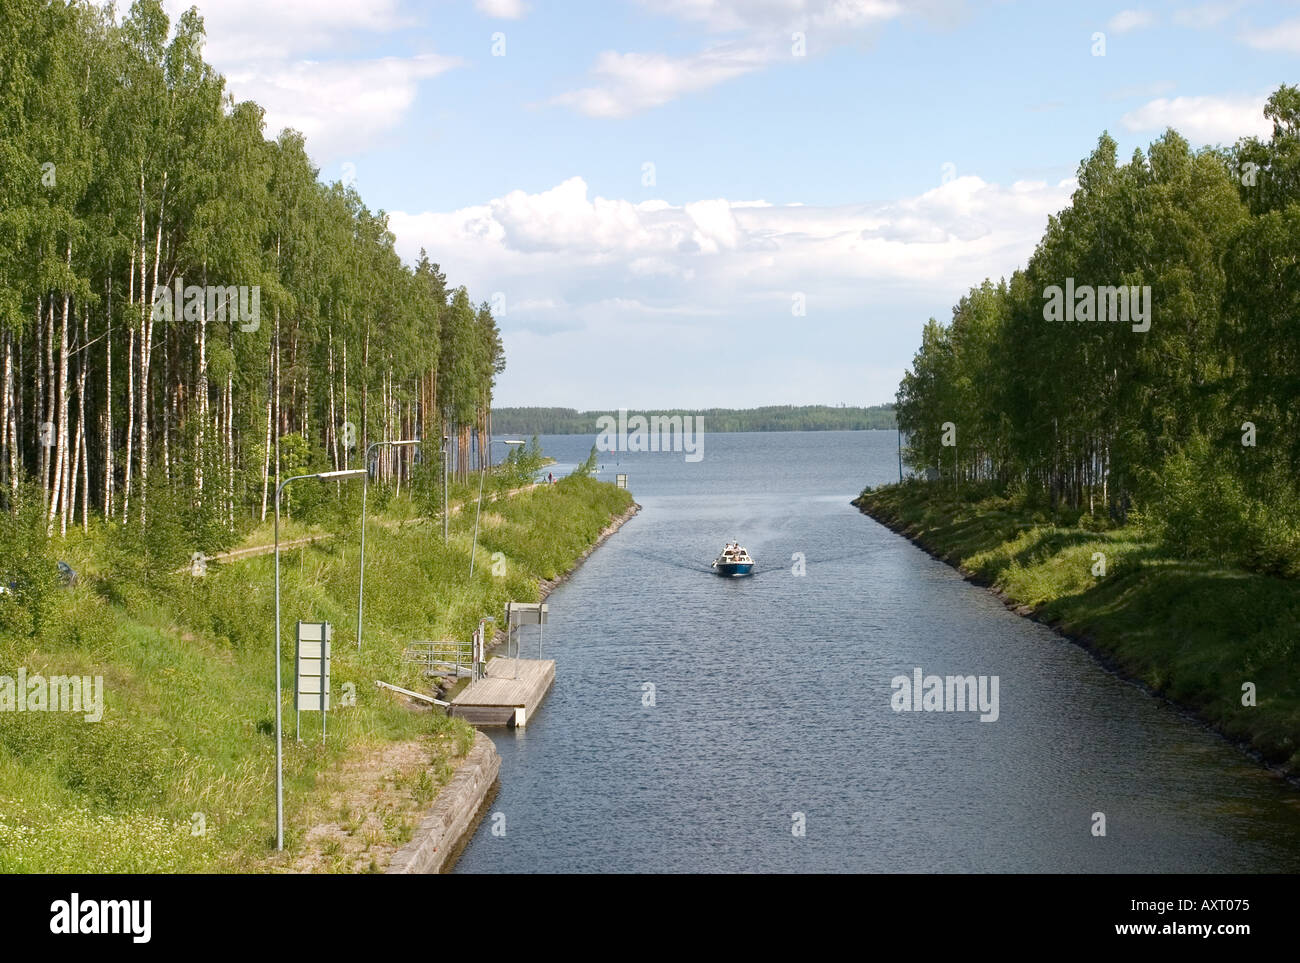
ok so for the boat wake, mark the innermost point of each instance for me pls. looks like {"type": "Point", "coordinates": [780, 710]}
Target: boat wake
{"type": "Point", "coordinates": [767, 569]}
{"type": "Point", "coordinates": [672, 562]}
{"type": "Point", "coordinates": [808, 562]}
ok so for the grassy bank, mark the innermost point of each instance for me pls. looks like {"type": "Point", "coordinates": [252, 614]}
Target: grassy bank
{"type": "Point", "coordinates": [1193, 631]}
{"type": "Point", "coordinates": [179, 773]}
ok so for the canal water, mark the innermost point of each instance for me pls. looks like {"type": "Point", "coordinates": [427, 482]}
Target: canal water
{"type": "Point", "coordinates": [697, 724]}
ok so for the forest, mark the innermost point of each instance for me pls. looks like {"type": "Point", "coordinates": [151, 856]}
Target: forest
{"type": "Point", "coordinates": [1185, 421]}
{"type": "Point", "coordinates": [186, 311]}
{"type": "Point", "coordinates": [568, 421]}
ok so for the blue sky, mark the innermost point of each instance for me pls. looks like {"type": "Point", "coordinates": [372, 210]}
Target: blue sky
{"type": "Point", "coordinates": [909, 151]}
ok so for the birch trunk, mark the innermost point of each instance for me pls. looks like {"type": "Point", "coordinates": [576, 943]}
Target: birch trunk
{"type": "Point", "coordinates": [59, 478]}
{"type": "Point", "coordinates": [201, 397]}
{"type": "Point", "coordinates": [331, 435]}
{"type": "Point", "coordinates": [108, 401]}
{"type": "Point", "coordinates": [44, 387]}
{"type": "Point", "coordinates": [80, 467]}
{"type": "Point", "coordinates": [230, 448]}
{"type": "Point", "coordinates": [7, 419]}
{"type": "Point", "coordinates": [130, 396]}
{"type": "Point", "coordinates": [270, 404]}
{"type": "Point", "coordinates": [365, 394]}
{"type": "Point", "coordinates": [347, 454]}
{"type": "Point", "coordinates": [146, 351]}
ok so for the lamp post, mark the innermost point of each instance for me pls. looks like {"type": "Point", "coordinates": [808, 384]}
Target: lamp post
{"type": "Point", "coordinates": [279, 750]}
{"type": "Point", "coordinates": [365, 486]}
{"type": "Point", "coordinates": [482, 469]}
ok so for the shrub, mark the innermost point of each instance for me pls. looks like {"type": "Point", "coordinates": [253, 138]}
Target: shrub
{"type": "Point", "coordinates": [1203, 509]}
{"type": "Point", "coordinates": [28, 576]}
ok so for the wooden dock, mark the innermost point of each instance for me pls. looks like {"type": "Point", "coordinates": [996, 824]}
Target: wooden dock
{"type": "Point", "coordinates": [500, 699]}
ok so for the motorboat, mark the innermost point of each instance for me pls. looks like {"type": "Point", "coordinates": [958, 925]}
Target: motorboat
{"type": "Point", "coordinates": [734, 561]}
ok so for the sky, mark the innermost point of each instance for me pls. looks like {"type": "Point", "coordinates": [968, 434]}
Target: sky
{"type": "Point", "coordinates": [732, 203]}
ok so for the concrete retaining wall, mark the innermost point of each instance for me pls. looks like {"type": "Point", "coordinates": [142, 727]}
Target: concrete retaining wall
{"type": "Point", "coordinates": [443, 833]}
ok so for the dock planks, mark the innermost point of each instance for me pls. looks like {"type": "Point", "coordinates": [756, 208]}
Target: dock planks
{"type": "Point", "coordinates": [488, 701]}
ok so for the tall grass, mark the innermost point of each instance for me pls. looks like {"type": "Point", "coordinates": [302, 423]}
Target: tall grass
{"type": "Point", "coordinates": [179, 774]}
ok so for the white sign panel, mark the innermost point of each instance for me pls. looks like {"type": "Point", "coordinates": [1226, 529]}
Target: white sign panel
{"type": "Point", "coordinates": [526, 613]}
{"type": "Point", "coordinates": [313, 676]}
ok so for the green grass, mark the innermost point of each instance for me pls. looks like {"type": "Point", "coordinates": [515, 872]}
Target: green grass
{"type": "Point", "coordinates": [1192, 631]}
{"type": "Point", "coordinates": [187, 735]}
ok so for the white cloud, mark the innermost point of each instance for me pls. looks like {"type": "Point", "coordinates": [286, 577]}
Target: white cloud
{"type": "Point", "coordinates": [1202, 120]}
{"type": "Point", "coordinates": [731, 15]}
{"type": "Point", "coordinates": [248, 31]}
{"type": "Point", "coordinates": [558, 236]}
{"type": "Point", "coordinates": [628, 83]}
{"type": "Point", "coordinates": [1283, 36]}
{"type": "Point", "coordinates": [299, 59]}
{"type": "Point", "coordinates": [502, 9]}
{"type": "Point", "coordinates": [1127, 20]}
{"type": "Point", "coordinates": [592, 281]}
{"type": "Point", "coordinates": [715, 226]}
{"type": "Point", "coordinates": [337, 104]}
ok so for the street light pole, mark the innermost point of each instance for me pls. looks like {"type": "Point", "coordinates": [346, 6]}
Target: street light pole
{"type": "Point", "coordinates": [365, 487]}
{"type": "Point", "coordinates": [279, 742]}
{"type": "Point", "coordinates": [482, 474]}
{"type": "Point", "coordinates": [446, 507]}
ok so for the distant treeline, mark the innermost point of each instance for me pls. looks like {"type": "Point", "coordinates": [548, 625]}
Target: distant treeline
{"type": "Point", "coordinates": [569, 421]}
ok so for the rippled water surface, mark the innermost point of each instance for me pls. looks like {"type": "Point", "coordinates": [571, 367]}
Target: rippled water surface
{"type": "Point", "coordinates": [772, 697]}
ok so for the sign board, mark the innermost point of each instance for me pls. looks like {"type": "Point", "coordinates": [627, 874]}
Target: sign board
{"type": "Point", "coordinates": [621, 480]}
{"type": "Point", "coordinates": [311, 691]}
{"type": "Point", "coordinates": [526, 613]}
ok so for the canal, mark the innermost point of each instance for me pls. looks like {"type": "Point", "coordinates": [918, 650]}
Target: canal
{"type": "Point", "coordinates": [698, 724]}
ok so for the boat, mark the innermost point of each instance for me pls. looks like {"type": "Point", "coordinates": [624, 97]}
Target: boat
{"type": "Point", "coordinates": [734, 561]}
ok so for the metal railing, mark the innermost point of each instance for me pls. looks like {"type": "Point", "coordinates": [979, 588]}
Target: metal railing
{"type": "Point", "coordinates": [440, 657]}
